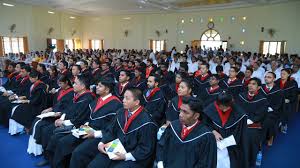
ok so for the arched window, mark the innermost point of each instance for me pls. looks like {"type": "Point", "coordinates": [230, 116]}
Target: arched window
{"type": "Point", "coordinates": [211, 38]}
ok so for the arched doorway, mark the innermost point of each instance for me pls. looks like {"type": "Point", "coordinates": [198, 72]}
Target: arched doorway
{"type": "Point", "coordinates": [211, 39]}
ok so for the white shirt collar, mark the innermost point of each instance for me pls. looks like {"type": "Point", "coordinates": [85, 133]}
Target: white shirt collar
{"type": "Point", "coordinates": [107, 96]}
{"type": "Point", "coordinates": [189, 127]}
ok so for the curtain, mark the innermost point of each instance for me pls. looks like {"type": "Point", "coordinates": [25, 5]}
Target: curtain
{"type": "Point", "coordinates": [261, 46]}
{"type": "Point", "coordinates": [90, 44]}
{"type": "Point", "coordinates": [165, 45]}
{"type": "Point", "coordinates": [102, 44]}
{"type": "Point", "coordinates": [1, 46]}
{"type": "Point", "coordinates": [151, 44]}
{"type": "Point", "coordinates": [25, 44]}
{"type": "Point", "coordinates": [78, 44]}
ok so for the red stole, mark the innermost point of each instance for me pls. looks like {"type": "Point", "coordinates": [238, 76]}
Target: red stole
{"type": "Point", "coordinates": [121, 88]}
{"type": "Point", "coordinates": [77, 96]}
{"type": "Point", "coordinates": [153, 91]}
{"type": "Point", "coordinates": [231, 81]}
{"type": "Point", "coordinates": [176, 87]}
{"type": "Point", "coordinates": [95, 70]}
{"type": "Point", "coordinates": [246, 81]}
{"type": "Point", "coordinates": [223, 115]}
{"type": "Point", "coordinates": [64, 72]}
{"type": "Point", "coordinates": [24, 79]}
{"type": "Point", "coordinates": [118, 68]}
{"type": "Point", "coordinates": [104, 72]}
{"type": "Point", "coordinates": [11, 75]}
{"type": "Point", "coordinates": [204, 77]}
{"type": "Point", "coordinates": [62, 93]}
{"type": "Point", "coordinates": [35, 85]}
{"type": "Point", "coordinates": [148, 71]}
{"type": "Point", "coordinates": [251, 97]}
{"type": "Point", "coordinates": [185, 131]}
{"type": "Point", "coordinates": [18, 76]}
{"type": "Point", "coordinates": [266, 89]}
{"type": "Point", "coordinates": [282, 85]}
{"type": "Point", "coordinates": [179, 101]}
{"type": "Point", "coordinates": [101, 102]}
{"type": "Point", "coordinates": [130, 120]}
{"type": "Point", "coordinates": [198, 73]}
{"type": "Point", "coordinates": [211, 90]}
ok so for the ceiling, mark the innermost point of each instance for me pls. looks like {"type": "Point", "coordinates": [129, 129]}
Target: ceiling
{"type": "Point", "coordinates": [107, 7]}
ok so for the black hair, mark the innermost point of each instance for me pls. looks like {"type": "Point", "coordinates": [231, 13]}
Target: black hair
{"type": "Point", "coordinates": [195, 104]}
{"type": "Point", "coordinates": [128, 73]}
{"type": "Point", "coordinates": [235, 69]}
{"type": "Point", "coordinates": [219, 68]}
{"type": "Point", "coordinates": [65, 79]}
{"type": "Point", "coordinates": [107, 82]}
{"type": "Point", "coordinates": [43, 67]}
{"type": "Point", "coordinates": [65, 63]}
{"type": "Point", "coordinates": [26, 67]}
{"type": "Point", "coordinates": [205, 64]}
{"type": "Point", "coordinates": [136, 92]}
{"type": "Point", "coordinates": [34, 74]}
{"type": "Point", "coordinates": [96, 62]}
{"type": "Point", "coordinates": [12, 64]}
{"type": "Point", "coordinates": [224, 98]}
{"type": "Point", "coordinates": [85, 62]}
{"type": "Point", "coordinates": [258, 81]}
{"type": "Point", "coordinates": [54, 70]}
{"type": "Point", "coordinates": [274, 75]}
{"type": "Point", "coordinates": [84, 80]}
{"type": "Point", "coordinates": [216, 76]}
{"type": "Point", "coordinates": [78, 67]}
{"type": "Point", "coordinates": [249, 69]}
{"type": "Point", "coordinates": [156, 77]}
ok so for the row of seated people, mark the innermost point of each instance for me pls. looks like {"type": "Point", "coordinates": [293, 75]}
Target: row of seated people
{"type": "Point", "coordinates": [216, 106]}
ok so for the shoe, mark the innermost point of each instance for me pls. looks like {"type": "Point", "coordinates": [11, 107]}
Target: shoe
{"type": "Point", "coordinates": [42, 163]}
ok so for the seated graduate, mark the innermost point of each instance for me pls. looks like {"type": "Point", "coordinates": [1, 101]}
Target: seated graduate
{"type": "Point", "coordinates": [227, 119]}
{"type": "Point", "coordinates": [21, 90]}
{"type": "Point", "coordinates": [102, 112]}
{"type": "Point", "coordinates": [201, 78]}
{"type": "Point", "coordinates": [105, 71]}
{"type": "Point", "coordinates": [154, 101]}
{"type": "Point", "coordinates": [167, 78]}
{"type": "Point", "coordinates": [95, 73]}
{"type": "Point", "coordinates": [247, 77]}
{"type": "Point", "coordinates": [172, 90]}
{"type": "Point", "coordinates": [139, 80]}
{"type": "Point", "coordinates": [289, 88]}
{"type": "Point", "coordinates": [220, 72]}
{"type": "Point", "coordinates": [210, 93]}
{"type": "Point", "coordinates": [187, 142]}
{"type": "Point", "coordinates": [256, 106]}
{"type": "Point", "coordinates": [24, 113]}
{"type": "Point", "coordinates": [275, 98]}
{"type": "Point", "coordinates": [76, 70]}
{"type": "Point", "coordinates": [123, 84]}
{"type": "Point", "coordinates": [43, 73]}
{"type": "Point", "coordinates": [75, 116]}
{"type": "Point", "coordinates": [137, 132]}
{"type": "Point", "coordinates": [173, 110]}
{"type": "Point", "coordinates": [232, 83]}
{"type": "Point", "coordinates": [63, 100]}
{"type": "Point", "coordinates": [63, 68]}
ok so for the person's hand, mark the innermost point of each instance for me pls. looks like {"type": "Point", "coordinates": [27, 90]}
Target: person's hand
{"type": "Point", "coordinates": [5, 94]}
{"type": "Point", "coordinates": [12, 97]}
{"type": "Point", "coordinates": [119, 156]}
{"type": "Point", "coordinates": [90, 134]}
{"type": "Point", "coordinates": [217, 135]}
{"type": "Point", "coordinates": [46, 110]}
{"type": "Point", "coordinates": [101, 148]}
{"type": "Point", "coordinates": [58, 123]}
{"type": "Point", "coordinates": [57, 114]}
{"type": "Point", "coordinates": [22, 97]}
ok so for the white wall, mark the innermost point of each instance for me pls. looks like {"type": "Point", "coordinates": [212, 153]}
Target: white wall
{"type": "Point", "coordinates": [34, 22]}
{"type": "Point", "coordinates": [281, 17]}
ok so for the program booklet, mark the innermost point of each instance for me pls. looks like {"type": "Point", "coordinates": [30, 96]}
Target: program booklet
{"type": "Point", "coordinates": [114, 147]}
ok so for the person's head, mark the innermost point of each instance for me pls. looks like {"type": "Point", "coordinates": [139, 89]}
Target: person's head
{"type": "Point", "coordinates": [219, 69]}
{"type": "Point", "coordinates": [163, 66]}
{"type": "Point", "coordinates": [190, 110]}
{"type": "Point", "coordinates": [248, 72]}
{"type": "Point", "coordinates": [62, 65]}
{"type": "Point", "coordinates": [25, 70]}
{"type": "Point", "coordinates": [153, 81]}
{"type": "Point", "coordinates": [81, 83]}
{"type": "Point", "coordinates": [95, 64]}
{"type": "Point", "coordinates": [84, 64]}
{"type": "Point", "coordinates": [274, 65]}
{"type": "Point", "coordinates": [19, 65]}
{"type": "Point", "coordinates": [233, 71]}
{"type": "Point", "coordinates": [179, 77]}
{"type": "Point", "coordinates": [295, 68]}
{"type": "Point", "coordinates": [132, 98]}
{"type": "Point", "coordinates": [270, 77]}
{"type": "Point", "coordinates": [149, 63]}
{"type": "Point", "coordinates": [254, 85]}
{"type": "Point", "coordinates": [76, 69]}
{"type": "Point", "coordinates": [105, 86]}
{"type": "Point", "coordinates": [285, 74]}
{"type": "Point", "coordinates": [41, 68]}
{"type": "Point", "coordinates": [53, 71]}
{"type": "Point", "coordinates": [11, 67]}
{"type": "Point", "coordinates": [124, 76]}
{"type": "Point", "coordinates": [185, 88]}
{"type": "Point", "coordinates": [224, 101]}
{"type": "Point", "coordinates": [255, 66]}
{"type": "Point", "coordinates": [33, 76]}
{"type": "Point", "coordinates": [214, 80]}
{"type": "Point", "coordinates": [137, 72]}
{"type": "Point", "coordinates": [105, 66]}
{"type": "Point", "coordinates": [204, 67]}
{"type": "Point", "coordinates": [64, 82]}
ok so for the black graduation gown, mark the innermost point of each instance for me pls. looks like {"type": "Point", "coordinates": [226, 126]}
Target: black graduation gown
{"type": "Point", "coordinates": [290, 92]}
{"type": "Point", "coordinates": [200, 85]}
{"type": "Point", "coordinates": [240, 75]}
{"type": "Point", "coordinates": [256, 109]}
{"type": "Point", "coordinates": [139, 140]}
{"type": "Point", "coordinates": [22, 88]}
{"type": "Point", "coordinates": [60, 105]}
{"type": "Point", "coordinates": [234, 88]}
{"type": "Point", "coordinates": [197, 150]}
{"type": "Point", "coordinates": [77, 113]}
{"type": "Point", "coordinates": [209, 97]}
{"type": "Point", "coordinates": [45, 78]}
{"type": "Point", "coordinates": [26, 113]}
{"type": "Point", "coordinates": [171, 91]}
{"type": "Point", "coordinates": [98, 120]}
{"type": "Point", "coordinates": [96, 75]}
{"type": "Point", "coordinates": [275, 99]}
{"type": "Point", "coordinates": [236, 125]}
{"type": "Point", "coordinates": [118, 92]}
{"type": "Point", "coordinates": [172, 112]}
{"type": "Point", "coordinates": [141, 83]}
{"type": "Point", "coordinates": [155, 105]}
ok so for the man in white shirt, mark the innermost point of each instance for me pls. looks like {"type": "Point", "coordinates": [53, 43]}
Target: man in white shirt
{"type": "Point", "coordinates": [296, 74]}
{"type": "Point", "coordinates": [257, 72]}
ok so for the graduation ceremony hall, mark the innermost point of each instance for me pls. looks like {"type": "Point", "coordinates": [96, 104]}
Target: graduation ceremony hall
{"type": "Point", "coordinates": [149, 83]}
